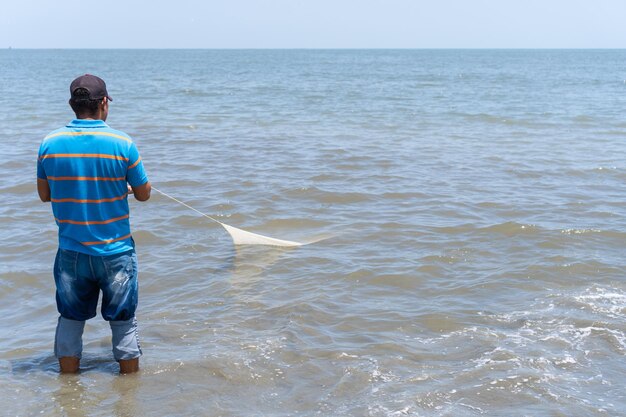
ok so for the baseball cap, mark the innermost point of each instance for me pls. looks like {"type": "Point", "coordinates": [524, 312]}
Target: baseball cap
{"type": "Point", "coordinates": [94, 85]}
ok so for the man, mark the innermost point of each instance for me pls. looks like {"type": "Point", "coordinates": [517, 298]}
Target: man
{"type": "Point", "coordinates": [87, 170]}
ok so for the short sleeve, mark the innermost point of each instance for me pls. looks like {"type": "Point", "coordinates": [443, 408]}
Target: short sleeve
{"type": "Point", "coordinates": [136, 174]}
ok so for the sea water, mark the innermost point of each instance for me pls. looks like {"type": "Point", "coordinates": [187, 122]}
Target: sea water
{"type": "Point", "coordinates": [472, 204]}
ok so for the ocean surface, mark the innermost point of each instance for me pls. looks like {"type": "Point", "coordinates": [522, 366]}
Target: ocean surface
{"type": "Point", "coordinates": [471, 205]}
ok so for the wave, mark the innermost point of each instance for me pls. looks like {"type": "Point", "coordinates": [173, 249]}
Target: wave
{"type": "Point", "coordinates": [21, 189]}
{"type": "Point", "coordinates": [512, 229]}
{"type": "Point", "coordinates": [330, 197]}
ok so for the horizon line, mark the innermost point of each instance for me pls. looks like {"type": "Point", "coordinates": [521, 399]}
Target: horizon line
{"type": "Point", "coordinates": [311, 48]}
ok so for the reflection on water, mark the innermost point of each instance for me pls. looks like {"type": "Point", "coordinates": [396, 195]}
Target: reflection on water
{"type": "Point", "coordinates": [72, 397]}
{"type": "Point", "coordinates": [251, 262]}
{"type": "Point", "coordinates": [78, 396]}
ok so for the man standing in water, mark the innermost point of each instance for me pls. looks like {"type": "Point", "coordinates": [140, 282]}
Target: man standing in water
{"type": "Point", "coordinates": [87, 170]}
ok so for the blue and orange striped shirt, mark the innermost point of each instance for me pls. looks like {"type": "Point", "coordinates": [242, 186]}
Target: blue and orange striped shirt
{"type": "Point", "coordinates": [87, 165]}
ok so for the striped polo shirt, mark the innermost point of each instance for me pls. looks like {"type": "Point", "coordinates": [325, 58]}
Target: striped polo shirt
{"type": "Point", "coordinates": [87, 165]}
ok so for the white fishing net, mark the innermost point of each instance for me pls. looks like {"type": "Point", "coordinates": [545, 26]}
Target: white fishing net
{"type": "Point", "coordinates": [240, 237]}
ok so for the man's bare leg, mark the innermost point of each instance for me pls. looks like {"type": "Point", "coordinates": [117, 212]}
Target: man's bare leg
{"type": "Point", "coordinates": [69, 364]}
{"type": "Point", "coordinates": [129, 366]}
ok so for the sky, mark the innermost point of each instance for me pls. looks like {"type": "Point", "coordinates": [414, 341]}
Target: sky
{"type": "Point", "coordinates": [313, 24]}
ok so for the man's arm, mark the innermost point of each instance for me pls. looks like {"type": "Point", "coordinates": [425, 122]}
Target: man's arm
{"type": "Point", "coordinates": [142, 192]}
{"type": "Point", "coordinates": [43, 188]}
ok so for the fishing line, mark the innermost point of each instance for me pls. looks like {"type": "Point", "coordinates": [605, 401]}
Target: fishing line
{"type": "Point", "coordinates": [239, 236]}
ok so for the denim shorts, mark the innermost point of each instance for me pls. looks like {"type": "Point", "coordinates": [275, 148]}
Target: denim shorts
{"type": "Point", "coordinates": [79, 278]}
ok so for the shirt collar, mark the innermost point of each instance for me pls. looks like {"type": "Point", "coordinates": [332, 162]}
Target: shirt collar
{"type": "Point", "coordinates": [87, 123]}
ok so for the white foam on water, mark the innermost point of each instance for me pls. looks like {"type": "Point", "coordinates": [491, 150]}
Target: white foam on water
{"type": "Point", "coordinates": [546, 351]}
{"type": "Point", "coordinates": [579, 231]}
{"type": "Point", "coordinates": [608, 302]}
